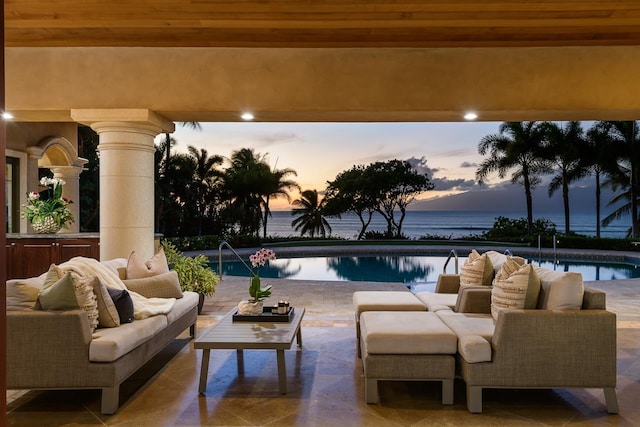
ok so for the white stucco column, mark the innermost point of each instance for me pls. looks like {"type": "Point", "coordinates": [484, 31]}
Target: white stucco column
{"type": "Point", "coordinates": [71, 190]}
{"type": "Point", "coordinates": [126, 178]}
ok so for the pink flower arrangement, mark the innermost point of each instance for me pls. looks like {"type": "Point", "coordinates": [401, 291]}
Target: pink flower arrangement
{"type": "Point", "coordinates": [259, 259]}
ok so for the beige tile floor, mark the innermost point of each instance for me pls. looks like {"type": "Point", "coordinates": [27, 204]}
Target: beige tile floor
{"type": "Point", "coordinates": [325, 384]}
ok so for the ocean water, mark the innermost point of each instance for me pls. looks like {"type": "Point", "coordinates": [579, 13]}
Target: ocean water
{"type": "Point", "coordinates": [453, 224]}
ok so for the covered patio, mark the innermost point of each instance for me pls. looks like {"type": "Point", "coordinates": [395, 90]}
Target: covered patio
{"type": "Point", "coordinates": [325, 379]}
{"type": "Point", "coordinates": [131, 69]}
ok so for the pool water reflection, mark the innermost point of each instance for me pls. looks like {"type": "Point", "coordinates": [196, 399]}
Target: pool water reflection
{"type": "Point", "coordinates": [406, 269]}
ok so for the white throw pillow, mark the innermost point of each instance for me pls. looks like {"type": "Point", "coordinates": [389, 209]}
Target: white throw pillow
{"type": "Point", "coordinates": [560, 290]}
{"type": "Point", "coordinates": [514, 288]}
{"type": "Point", "coordinates": [497, 259]}
{"type": "Point", "coordinates": [476, 271]}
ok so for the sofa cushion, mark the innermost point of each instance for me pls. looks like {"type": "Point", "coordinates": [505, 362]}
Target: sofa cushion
{"type": "Point", "coordinates": [109, 344]}
{"type": "Point", "coordinates": [385, 301]}
{"type": "Point", "coordinates": [515, 287]}
{"type": "Point", "coordinates": [498, 259]}
{"type": "Point", "coordinates": [22, 294]}
{"type": "Point", "coordinates": [182, 306]}
{"type": "Point", "coordinates": [124, 304]}
{"type": "Point", "coordinates": [117, 266]}
{"type": "Point", "coordinates": [559, 290]}
{"type": "Point", "coordinates": [137, 268]}
{"type": "Point", "coordinates": [477, 270]}
{"type": "Point", "coordinates": [406, 332]}
{"type": "Point", "coordinates": [165, 285]}
{"type": "Point", "coordinates": [435, 301]}
{"type": "Point", "coordinates": [474, 332]}
{"type": "Point", "coordinates": [58, 292]}
{"type": "Point", "coordinates": [108, 316]}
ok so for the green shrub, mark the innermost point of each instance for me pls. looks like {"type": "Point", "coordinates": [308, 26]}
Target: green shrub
{"type": "Point", "coordinates": [194, 273]}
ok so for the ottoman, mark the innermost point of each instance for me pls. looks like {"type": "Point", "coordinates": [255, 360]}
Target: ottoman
{"type": "Point", "coordinates": [407, 346]}
{"type": "Point", "coordinates": [383, 301]}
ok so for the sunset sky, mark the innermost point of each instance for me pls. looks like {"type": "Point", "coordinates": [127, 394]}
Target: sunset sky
{"type": "Point", "coordinates": [319, 151]}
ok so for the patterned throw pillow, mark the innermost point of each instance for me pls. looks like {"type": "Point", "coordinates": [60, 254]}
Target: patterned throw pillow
{"type": "Point", "coordinates": [138, 269]}
{"type": "Point", "coordinates": [514, 288]}
{"type": "Point", "coordinates": [476, 271]}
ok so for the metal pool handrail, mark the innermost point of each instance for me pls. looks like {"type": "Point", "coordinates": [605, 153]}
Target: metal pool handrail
{"type": "Point", "coordinates": [235, 253]}
{"type": "Point", "coordinates": [454, 254]}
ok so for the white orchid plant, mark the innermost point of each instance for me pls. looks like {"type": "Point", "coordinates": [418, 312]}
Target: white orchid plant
{"type": "Point", "coordinates": [49, 203]}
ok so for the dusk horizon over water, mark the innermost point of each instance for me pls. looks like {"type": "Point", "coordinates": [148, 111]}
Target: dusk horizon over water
{"type": "Point", "coordinates": [451, 224]}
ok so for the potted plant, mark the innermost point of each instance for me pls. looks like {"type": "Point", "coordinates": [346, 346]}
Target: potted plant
{"type": "Point", "coordinates": [254, 306]}
{"type": "Point", "coordinates": [48, 211]}
{"type": "Point", "coordinates": [194, 273]}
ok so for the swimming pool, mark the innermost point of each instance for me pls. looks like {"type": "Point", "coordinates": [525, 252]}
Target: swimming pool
{"type": "Point", "coordinates": [407, 269]}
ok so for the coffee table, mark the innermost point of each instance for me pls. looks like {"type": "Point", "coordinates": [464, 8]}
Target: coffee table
{"type": "Point", "coordinates": [240, 336]}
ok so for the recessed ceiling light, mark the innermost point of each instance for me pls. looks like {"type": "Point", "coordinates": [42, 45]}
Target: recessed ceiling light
{"type": "Point", "coordinates": [7, 116]}
{"type": "Point", "coordinates": [247, 116]}
{"type": "Point", "coordinates": [470, 116]}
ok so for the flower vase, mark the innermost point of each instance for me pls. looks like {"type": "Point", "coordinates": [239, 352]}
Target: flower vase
{"type": "Point", "coordinates": [47, 225]}
{"type": "Point", "coordinates": [250, 308]}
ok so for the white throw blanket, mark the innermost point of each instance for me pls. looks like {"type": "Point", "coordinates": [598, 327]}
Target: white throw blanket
{"type": "Point", "coordinates": [142, 307]}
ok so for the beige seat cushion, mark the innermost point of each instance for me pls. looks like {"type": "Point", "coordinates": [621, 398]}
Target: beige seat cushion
{"type": "Point", "coordinates": [385, 301]}
{"type": "Point", "coordinates": [559, 290]}
{"type": "Point", "coordinates": [514, 288]}
{"type": "Point", "coordinates": [474, 332]}
{"type": "Point", "coordinates": [477, 270]}
{"type": "Point", "coordinates": [183, 305]}
{"type": "Point", "coordinates": [407, 332]}
{"type": "Point", "coordinates": [436, 302]}
{"type": "Point", "coordinates": [109, 344]}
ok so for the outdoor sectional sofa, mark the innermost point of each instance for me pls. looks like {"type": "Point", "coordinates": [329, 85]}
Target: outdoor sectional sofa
{"type": "Point", "coordinates": [58, 349]}
{"type": "Point", "coordinates": [567, 339]}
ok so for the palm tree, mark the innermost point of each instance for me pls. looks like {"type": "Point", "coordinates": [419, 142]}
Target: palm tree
{"type": "Point", "coordinates": [204, 177]}
{"type": "Point", "coordinates": [625, 135]}
{"type": "Point", "coordinates": [310, 215]}
{"type": "Point", "coordinates": [518, 146]}
{"type": "Point", "coordinates": [566, 146]}
{"type": "Point", "coordinates": [245, 181]}
{"type": "Point", "coordinates": [277, 186]}
{"type": "Point", "coordinates": [600, 159]}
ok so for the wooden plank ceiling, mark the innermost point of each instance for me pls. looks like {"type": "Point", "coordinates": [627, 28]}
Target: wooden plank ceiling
{"type": "Point", "coordinates": [321, 23]}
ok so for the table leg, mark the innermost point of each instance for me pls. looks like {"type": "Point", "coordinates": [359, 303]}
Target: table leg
{"type": "Point", "coordinates": [240, 359]}
{"type": "Point", "coordinates": [204, 371]}
{"type": "Point", "coordinates": [299, 336]}
{"type": "Point", "coordinates": [282, 372]}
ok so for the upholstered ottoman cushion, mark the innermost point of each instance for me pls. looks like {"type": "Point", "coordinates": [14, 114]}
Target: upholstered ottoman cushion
{"type": "Point", "coordinates": [385, 301]}
{"type": "Point", "coordinates": [388, 332]}
{"type": "Point", "coordinates": [434, 301]}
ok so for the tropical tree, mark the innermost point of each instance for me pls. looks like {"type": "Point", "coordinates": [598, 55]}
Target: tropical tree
{"type": "Point", "coordinates": [277, 185]}
{"type": "Point", "coordinates": [599, 158]}
{"type": "Point", "coordinates": [565, 147]}
{"type": "Point", "coordinates": [205, 176]}
{"type": "Point", "coordinates": [349, 192]}
{"type": "Point", "coordinates": [627, 176]}
{"type": "Point", "coordinates": [518, 147]}
{"type": "Point", "coordinates": [397, 184]}
{"type": "Point", "coordinates": [245, 181]}
{"type": "Point", "coordinates": [310, 212]}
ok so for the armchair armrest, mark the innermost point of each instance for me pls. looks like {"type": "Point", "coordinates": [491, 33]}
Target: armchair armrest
{"type": "Point", "coordinates": [448, 284]}
{"type": "Point", "coordinates": [474, 300]}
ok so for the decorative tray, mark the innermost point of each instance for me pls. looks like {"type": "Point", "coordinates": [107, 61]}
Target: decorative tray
{"type": "Point", "coordinates": [266, 316]}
